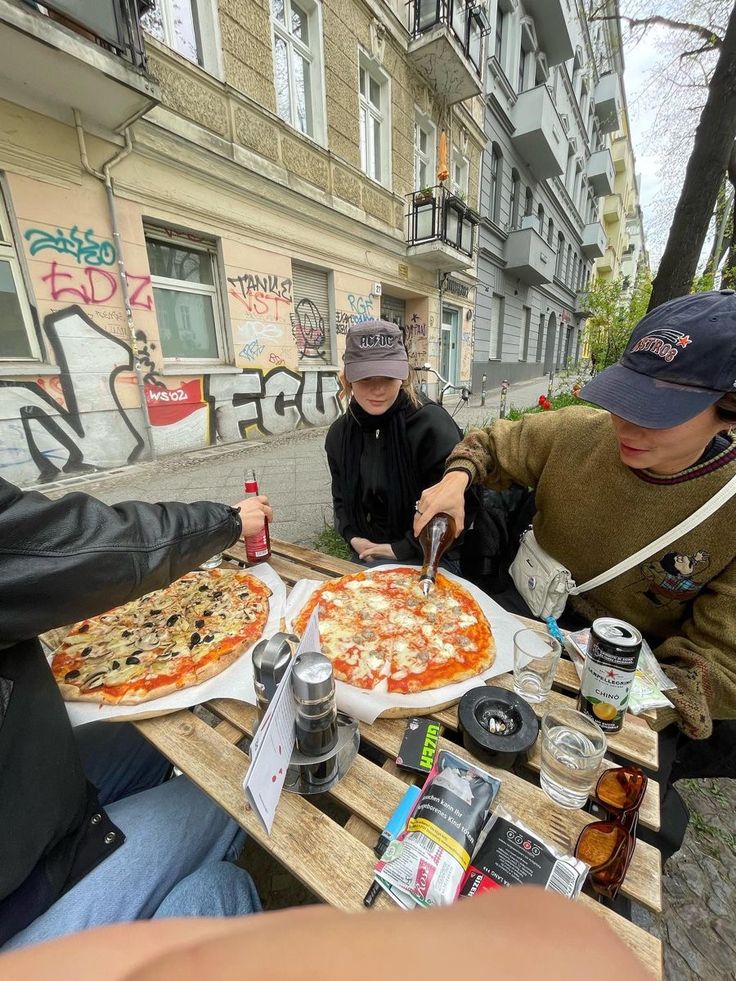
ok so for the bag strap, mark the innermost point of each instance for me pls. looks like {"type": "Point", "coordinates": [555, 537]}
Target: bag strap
{"type": "Point", "coordinates": [703, 512]}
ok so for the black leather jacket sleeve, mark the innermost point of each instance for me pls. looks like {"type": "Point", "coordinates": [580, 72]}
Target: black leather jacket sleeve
{"type": "Point", "coordinates": [62, 561]}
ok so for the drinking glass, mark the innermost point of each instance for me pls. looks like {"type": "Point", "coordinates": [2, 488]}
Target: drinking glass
{"type": "Point", "coordinates": [212, 563]}
{"type": "Point", "coordinates": [536, 654]}
{"type": "Point", "coordinates": [572, 749]}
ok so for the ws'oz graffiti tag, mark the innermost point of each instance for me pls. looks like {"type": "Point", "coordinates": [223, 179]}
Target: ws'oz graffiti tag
{"type": "Point", "coordinates": [83, 247]}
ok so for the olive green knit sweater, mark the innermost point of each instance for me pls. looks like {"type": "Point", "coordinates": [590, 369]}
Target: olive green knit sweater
{"type": "Point", "coordinates": [593, 511]}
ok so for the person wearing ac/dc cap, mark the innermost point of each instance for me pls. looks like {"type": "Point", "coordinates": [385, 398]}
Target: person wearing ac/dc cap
{"type": "Point", "coordinates": [609, 483]}
{"type": "Point", "coordinates": [390, 444]}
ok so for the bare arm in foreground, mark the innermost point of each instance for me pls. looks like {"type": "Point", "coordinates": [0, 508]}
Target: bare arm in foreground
{"type": "Point", "coordinates": [512, 933]}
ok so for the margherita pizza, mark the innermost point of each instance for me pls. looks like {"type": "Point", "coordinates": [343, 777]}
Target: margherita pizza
{"type": "Point", "coordinates": [168, 640]}
{"type": "Point", "coordinates": [377, 626]}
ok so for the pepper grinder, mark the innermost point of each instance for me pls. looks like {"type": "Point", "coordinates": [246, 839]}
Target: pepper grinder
{"type": "Point", "coordinates": [270, 660]}
{"type": "Point", "coordinates": [435, 538]}
{"type": "Point", "coordinates": [313, 685]}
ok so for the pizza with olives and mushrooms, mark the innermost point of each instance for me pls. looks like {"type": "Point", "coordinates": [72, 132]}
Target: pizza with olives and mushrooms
{"type": "Point", "coordinates": [380, 631]}
{"type": "Point", "coordinates": [168, 640]}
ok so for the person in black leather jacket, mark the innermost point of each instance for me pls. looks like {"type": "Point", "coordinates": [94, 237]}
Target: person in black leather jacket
{"type": "Point", "coordinates": [390, 444]}
{"type": "Point", "coordinates": [62, 561]}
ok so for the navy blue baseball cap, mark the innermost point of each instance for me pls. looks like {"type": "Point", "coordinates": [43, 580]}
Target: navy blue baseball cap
{"type": "Point", "coordinates": [680, 359]}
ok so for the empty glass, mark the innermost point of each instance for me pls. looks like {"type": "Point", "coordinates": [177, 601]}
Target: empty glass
{"type": "Point", "coordinates": [535, 661]}
{"type": "Point", "coordinates": [572, 750]}
{"type": "Point", "coordinates": [212, 563]}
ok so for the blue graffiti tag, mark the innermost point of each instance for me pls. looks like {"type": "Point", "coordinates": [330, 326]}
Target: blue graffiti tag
{"type": "Point", "coordinates": [83, 247]}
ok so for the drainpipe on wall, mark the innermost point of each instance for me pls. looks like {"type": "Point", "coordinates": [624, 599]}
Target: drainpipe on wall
{"type": "Point", "coordinates": [106, 179]}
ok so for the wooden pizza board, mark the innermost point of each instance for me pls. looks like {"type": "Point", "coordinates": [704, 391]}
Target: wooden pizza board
{"type": "Point", "coordinates": [404, 712]}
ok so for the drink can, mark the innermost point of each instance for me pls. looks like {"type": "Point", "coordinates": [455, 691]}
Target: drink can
{"type": "Point", "coordinates": [610, 668]}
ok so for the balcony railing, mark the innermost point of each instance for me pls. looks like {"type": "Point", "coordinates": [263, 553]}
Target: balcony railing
{"type": "Point", "coordinates": [112, 24]}
{"type": "Point", "coordinates": [441, 228]}
{"type": "Point", "coordinates": [467, 21]}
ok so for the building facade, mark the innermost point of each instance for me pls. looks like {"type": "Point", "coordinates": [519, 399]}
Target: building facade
{"type": "Point", "coordinates": [199, 197]}
{"type": "Point", "coordinates": [553, 104]}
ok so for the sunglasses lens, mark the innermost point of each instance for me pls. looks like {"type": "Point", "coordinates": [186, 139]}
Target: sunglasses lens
{"type": "Point", "coordinates": [622, 788]}
{"type": "Point", "coordinates": [607, 848]}
{"type": "Point", "coordinates": [599, 842]}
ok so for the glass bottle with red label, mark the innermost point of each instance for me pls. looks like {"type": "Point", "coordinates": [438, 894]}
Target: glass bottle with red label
{"type": "Point", "coordinates": [258, 546]}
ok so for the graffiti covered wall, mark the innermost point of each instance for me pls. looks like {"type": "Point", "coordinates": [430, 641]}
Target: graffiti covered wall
{"type": "Point", "coordinates": [82, 411]}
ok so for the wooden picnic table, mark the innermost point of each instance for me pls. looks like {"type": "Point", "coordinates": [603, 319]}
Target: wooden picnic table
{"type": "Point", "coordinates": [335, 859]}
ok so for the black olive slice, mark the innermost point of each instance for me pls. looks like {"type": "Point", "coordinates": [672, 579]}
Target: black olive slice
{"type": "Point", "coordinates": [71, 675]}
{"type": "Point", "coordinates": [132, 659]}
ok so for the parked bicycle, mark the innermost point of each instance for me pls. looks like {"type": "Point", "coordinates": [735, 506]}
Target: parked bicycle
{"type": "Point", "coordinates": [444, 386]}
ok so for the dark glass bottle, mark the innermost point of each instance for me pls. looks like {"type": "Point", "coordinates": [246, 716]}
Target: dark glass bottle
{"type": "Point", "coordinates": [435, 538]}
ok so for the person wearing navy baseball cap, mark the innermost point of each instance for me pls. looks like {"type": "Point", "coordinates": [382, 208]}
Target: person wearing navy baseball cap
{"type": "Point", "coordinates": [611, 483]}
{"type": "Point", "coordinates": [680, 361]}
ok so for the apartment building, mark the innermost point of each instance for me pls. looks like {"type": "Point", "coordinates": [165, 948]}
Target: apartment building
{"type": "Point", "coordinates": [549, 182]}
{"type": "Point", "coordinates": [199, 197]}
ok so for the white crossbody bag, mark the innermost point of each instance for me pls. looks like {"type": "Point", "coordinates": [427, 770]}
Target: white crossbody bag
{"type": "Point", "coordinates": [545, 584]}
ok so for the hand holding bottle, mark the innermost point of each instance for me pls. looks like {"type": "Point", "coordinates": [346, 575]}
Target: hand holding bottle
{"type": "Point", "coordinates": [254, 512]}
{"type": "Point", "coordinates": [448, 497]}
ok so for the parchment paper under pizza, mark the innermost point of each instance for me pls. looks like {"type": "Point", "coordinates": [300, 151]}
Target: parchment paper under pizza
{"type": "Point", "coordinates": [172, 648]}
{"type": "Point", "coordinates": [393, 648]}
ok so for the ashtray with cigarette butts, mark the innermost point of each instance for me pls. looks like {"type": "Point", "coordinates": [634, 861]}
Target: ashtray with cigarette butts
{"type": "Point", "coordinates": [496, 725]}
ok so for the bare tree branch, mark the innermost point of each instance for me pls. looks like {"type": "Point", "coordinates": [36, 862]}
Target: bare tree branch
{"type": "Point", "coordinates": [706, 33]}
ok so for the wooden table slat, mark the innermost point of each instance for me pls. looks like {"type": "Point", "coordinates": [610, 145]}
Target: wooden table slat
{"type": "Point", "coordinates": [319, 852]}
{"type": "Point", "coordinates": [313, 559]}
{"type": "Point", "coordinates": [644, 879]}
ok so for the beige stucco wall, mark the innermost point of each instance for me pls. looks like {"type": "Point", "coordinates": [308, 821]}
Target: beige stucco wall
{"type": "Point", "coordinates": [84, 397]}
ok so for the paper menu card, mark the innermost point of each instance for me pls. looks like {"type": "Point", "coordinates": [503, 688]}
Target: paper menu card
{"type": "Point", "coordinates": [273, 742]}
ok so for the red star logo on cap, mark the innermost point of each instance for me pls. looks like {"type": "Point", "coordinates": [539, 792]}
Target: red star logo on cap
{"type": "Point", "coordinates": [611, 674]}
{"type": "Point", "coordinates": [684, 340]}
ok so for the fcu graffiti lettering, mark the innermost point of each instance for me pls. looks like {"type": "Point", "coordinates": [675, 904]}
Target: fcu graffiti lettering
{"type": "Point", "coordinates": [274, 403]}
{"type": "Point", "coordinates": [93, 286]}
{"type": "Point", "coordinates": [308, 329]}
{"type": "Point", "coordinates": [89, 430]}
{"type": "Point", "coordinates": [82, 246]}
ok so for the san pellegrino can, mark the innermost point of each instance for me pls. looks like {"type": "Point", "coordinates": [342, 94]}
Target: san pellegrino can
{"type": "Point", "coordinates": [258, 546]}
{"type": "Point", "coordinates": [610, 668]}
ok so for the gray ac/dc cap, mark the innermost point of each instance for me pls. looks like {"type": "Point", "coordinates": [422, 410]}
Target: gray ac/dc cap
{"type": "Point", "coordinates": [680, 359]}
{"type": "Point", "coordinates": [375, 349]}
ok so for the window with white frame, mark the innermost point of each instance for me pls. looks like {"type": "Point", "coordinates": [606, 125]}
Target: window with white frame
{"type": "Point", "coordinates": [18, 340]}
{"type": "Point", "coordinates": [514, 199]}
{"type": "Point", "coordinates": [188, 311]}
{"type": "Point", "coordinates": [375, 123]}
{"type": "Point", "coordinates": [189, 27]}
{"type": "Point", "coordinates": [459, 173]}
{"type": "Point", "coordinates": [494, 190]}
{"type": "Point", "coordinates": [297, 65]}
{"type": "Point", "coordinates": [425, 142]}
{"type": "Point", "coordinates": [498, 43]}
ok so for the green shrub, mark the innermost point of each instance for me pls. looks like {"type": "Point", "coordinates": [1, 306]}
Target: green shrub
{"type": "Point", "coordinates": [329, 542]}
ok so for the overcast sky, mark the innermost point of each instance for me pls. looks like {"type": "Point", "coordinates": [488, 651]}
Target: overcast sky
{"type": "Point", "coordinates": [639, 61]}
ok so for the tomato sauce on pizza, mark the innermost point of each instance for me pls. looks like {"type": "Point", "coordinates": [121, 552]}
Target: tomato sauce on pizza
{"type": "Point", "coordinates": [377, 627]}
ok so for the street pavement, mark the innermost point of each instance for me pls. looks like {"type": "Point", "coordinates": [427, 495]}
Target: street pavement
{"type": "Point", "coordinates": [697, 925]}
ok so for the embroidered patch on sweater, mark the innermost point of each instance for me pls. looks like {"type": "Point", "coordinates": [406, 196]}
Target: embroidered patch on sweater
{"type": "Point", "coordinates": [672, 579]}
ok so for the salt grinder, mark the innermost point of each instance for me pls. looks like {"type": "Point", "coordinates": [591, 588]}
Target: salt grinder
{"type": "Point", "coordinates": [313, 685]}
{"type": "Point", "coordinates": [270, 660]}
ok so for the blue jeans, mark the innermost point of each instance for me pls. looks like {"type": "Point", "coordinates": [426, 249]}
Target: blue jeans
{"type": "Point", "coordinates": [174, 861]}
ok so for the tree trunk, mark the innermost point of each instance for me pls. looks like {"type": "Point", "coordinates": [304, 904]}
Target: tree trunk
{"type": "Point", "coordinates": [714, 138]}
